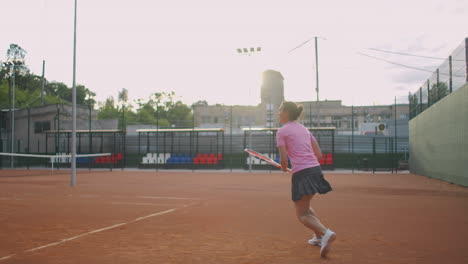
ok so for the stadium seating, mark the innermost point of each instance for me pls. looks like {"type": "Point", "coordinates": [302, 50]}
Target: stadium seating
{"type": "Point", "coordinates": [182, 158]}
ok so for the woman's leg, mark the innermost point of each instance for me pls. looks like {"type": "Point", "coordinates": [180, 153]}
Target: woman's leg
{"type": "Point", "coordinates": [307, 216]}
{"type": "Point", "coordinates": [312, 212]}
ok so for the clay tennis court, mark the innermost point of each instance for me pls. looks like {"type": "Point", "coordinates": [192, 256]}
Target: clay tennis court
{"type": "Point", "coordinates": [222, 217]}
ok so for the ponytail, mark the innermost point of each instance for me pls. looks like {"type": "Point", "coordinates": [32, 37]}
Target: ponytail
{"type": "Point", "coordinates": [293, 109]}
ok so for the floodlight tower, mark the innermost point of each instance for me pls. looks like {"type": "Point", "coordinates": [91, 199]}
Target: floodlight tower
{"type": "Point", "coordinates": [73, 154]}
{"type": "Point", "coordinates": [316, 73]}
{"type": "Point", "coordinates": [249, 52]}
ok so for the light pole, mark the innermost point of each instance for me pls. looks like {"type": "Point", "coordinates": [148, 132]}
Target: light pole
{"type": "Point", "coordinates": [13, 117]}
{"type": "Point", "coordinates": [316, 73]}
{"type": "Point", "coordinates": [73, 154]}
{"type": "Point", "coordinates": [249, 52]}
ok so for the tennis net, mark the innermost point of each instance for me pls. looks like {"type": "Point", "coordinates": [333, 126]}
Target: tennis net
{"type": "Point", "coordinates": [58, 161]}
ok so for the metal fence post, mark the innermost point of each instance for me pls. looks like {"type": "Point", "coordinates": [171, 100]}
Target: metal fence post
{"type": "Point", "coordinates": [29, 130]}
{"type": "Point", "coordinates": [437, 86]}
{"type": "Point", "coordinates": [352, 136]}
{"type": "Point", "coordinates": [420, 100]}
{"type": "Point", "coordinates": [373, 155]}
{"type": "Point", "coordinates": [450, 73]}
{"type": "Point", "coordinates": [428, 94]}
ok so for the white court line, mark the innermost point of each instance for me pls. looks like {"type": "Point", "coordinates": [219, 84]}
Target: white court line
{"type": "Point", "coordinates": [142, 203]}
{"type": "Point", "coordinates": [156, 214]}
{"type": "Point", "coordinates": [7, 257]}
{"type": "Point", "coordinates": [169, 198]}
{"type": "Point", "coordinates": [93, 232]}
{"type": "Point", "coordinates": [5, 198]}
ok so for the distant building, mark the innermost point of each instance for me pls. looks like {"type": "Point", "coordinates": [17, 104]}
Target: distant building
{"type": "Point", "coordinates": [39, 119]}
{"type": "Point", "coordinates": [272, 95]}
{"type": "Point", "coordinates": [367, 119]}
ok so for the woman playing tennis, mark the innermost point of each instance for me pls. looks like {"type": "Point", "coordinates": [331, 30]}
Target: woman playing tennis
{"type": "Point", "coordinates": [297, 143]}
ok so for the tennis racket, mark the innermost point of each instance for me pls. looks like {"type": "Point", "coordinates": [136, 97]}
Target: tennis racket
{"type": "Point", "coordinates": [265, 158]}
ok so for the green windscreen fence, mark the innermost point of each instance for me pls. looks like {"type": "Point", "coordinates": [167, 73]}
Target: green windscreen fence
{"type": "Point", "coordinates": [439, 139]}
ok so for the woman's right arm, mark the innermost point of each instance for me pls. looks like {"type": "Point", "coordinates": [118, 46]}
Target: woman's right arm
{"type": "Point", "coordinates": [283, 158]}
{"type": "Point", "coordinates": [316, 148]}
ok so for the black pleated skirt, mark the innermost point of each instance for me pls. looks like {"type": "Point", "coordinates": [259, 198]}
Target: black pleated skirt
{"type": "Point", "coordinates": [308, 181]}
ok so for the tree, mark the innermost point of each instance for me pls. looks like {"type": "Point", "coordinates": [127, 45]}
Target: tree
{"type": "Point", "coordinates": [28, 86]}
{"type": "Point", "coordinates": [200, 103]}
{"type": "Point", "coordinates": [125, 109]}
{"type": "Point", "coordinates": [413, 103]}
{"type": "Point", "coordinates": [15, 62]}
{"type": "Point", "coordinates": [162, 109]}
{"type": "Point", "coordinates": [108, 110]}
{"type": "Point", "coordinates": [438, 91]}
{"type": "Point", "coordinates": [64, 94]}
{"type": "Point", "coordinates": [172, 109]}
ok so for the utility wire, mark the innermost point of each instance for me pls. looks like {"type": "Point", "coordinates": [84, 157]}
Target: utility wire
{"type": "Point", "coordinates": [301, 44]}
{"type": "Point", "coordinates": [407, 66]}
{"type": "Point", "coordinates": [413, 55]}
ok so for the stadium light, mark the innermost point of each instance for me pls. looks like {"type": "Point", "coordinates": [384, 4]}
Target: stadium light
{"type": "Point", "coordinates": [249, 51]}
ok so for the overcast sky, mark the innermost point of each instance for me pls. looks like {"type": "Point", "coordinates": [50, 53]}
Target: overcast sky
{"type": "Point", "coordinates": [190, 46]}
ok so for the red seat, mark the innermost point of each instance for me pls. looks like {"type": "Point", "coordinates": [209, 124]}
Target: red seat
{"type": "Point", "coordinates": [199, 155]}
{"type": "Point", "coordinates": [215, 161]}
{"type": "Point", "coordinates": [107, 159]}
{"type": "Point", "coordinates": [196, 160]}
{"type": "Point", "coordinates": [202, 160]}
{"type": "Point", "coordinates": [330, 159]}
{"type": "Point", "coordinates": [205, 155]}
{"type": "Point", "coordinates": [98, 160]}
{"type": "Point", "coordinates": [209, 161]}
{"type": "Point", "coordinates": [322, 160]}
{"type": "Point", "coordinates": [116, 157]}
{"type": "Point", "coordinates": [212, 155]}
{"type": "Point", "coordinates": [220, 156]}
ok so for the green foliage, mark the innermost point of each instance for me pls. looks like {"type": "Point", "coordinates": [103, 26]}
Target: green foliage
{"type": "Point", "coordinates": [108, 110]}
{"type": "Point", "coordinates": [414, 104]}
{"type": "Point", "coordinates": [437, 92]}
{"type": "Point", "coordinates": [162, 109]}
{"type": "Point", "coordinates": [28, 86]}
{"type": "Point", "coordinates": [3, 93]}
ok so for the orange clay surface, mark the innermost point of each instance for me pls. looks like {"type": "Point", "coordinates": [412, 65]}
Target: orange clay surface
{"type": "Point", "coordinates": [222, 217]}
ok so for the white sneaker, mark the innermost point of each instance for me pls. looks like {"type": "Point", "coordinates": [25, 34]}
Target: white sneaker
{"type": "Point", "coordinates": [327, 240]}
{"type": "Point", "coordinates": [315, 241]}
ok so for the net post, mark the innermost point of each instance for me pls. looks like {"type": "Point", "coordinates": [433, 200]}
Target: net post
{"type": "Point", "coordinates": [111, 161]}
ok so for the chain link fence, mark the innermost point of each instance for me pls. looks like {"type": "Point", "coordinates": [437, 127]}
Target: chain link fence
{"type": "Point", "coordinates": [450, 76]}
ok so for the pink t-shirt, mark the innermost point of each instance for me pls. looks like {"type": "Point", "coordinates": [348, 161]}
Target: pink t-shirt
{"type": "Point", "coordinates": [298, 142]}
